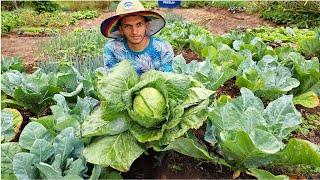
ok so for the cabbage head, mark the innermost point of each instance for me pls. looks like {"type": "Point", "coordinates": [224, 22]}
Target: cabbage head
{"type": "Point", "coordinates": [141, 112]}
{"type": "Point", "coordinates": [151, 103]}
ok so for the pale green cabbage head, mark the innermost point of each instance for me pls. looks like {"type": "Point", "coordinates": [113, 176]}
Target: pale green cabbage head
{"type": "Point", "coordinates": [149, 102]}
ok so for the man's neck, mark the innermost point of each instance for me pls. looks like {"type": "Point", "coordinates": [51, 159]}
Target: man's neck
{"type": "Point", "coordinates": [141, 46]}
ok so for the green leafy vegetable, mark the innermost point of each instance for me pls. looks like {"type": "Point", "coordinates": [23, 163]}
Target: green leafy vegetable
{"type": "Point", "coordinates": [148, 111]}
{"type": "Point", "coordinates": [267, 79]}
{"type": "Point", "coordinates": [14, 63]}
{"type": "Point", "coordinates": [211, 75]}
{"type": "Point", "coordinates": [31, 91]}
{"type": "Point", "coordinates": [262, 174]}
{"type": "Point", "coordinates": [11, 120]}
{"type": "Point", "coordinates": [48, 156]}
{"type": "Point", "coordinates": [8, 150]}
{"type": "Point", "coordinates": [251, 136]}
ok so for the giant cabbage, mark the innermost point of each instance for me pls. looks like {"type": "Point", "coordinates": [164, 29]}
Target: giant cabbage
{"type": "Point", "coordinates": [137, 113]}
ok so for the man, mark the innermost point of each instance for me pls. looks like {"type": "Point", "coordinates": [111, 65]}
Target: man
{"type": "Point", "coordinates": [132, 28]}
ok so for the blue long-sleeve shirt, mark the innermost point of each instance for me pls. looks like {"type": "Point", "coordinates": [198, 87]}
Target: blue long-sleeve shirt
{"type": "Point", "coordinates": [157, 56]}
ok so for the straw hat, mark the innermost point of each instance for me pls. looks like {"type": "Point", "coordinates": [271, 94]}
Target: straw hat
{"type": "Point", "coordinates": [109, 27]}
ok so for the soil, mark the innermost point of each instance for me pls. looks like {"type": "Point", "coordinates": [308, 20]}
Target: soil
{"type": "Point", "coordinates": [171, 165]}
{"type": "Point", "coordinates": [26, 114]}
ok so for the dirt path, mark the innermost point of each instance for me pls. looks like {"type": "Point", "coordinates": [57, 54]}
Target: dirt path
{"type": "Point", "coordinates": [216, 20]}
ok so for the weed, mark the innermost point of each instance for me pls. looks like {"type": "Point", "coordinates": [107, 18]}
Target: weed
{"type": "Point", "coordinates": [305, 170]}
{"type": "Point", "coordinates": [312, 121]}
{"type": "Point", "coordinates": [175, 167]}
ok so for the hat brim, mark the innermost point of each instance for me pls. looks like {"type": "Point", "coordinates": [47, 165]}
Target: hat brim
{"type": "Point", "coordinates": [109, 27]}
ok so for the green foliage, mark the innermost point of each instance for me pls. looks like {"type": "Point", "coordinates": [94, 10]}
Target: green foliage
{"type": "Point", "coordinates": [9, 20]}
{"type": "Point", "coordinates": [309, 123]}
{"type": "Point", "coordinates": [32, 19]}
{"type": "Point", "coordinates": [67, 114]}
{"type": "Point", "coordinates": [78, 15]}
{"type": "Point", "coordinates": [85, 14]}
{"type": "Point", "coordinates": [45, 6]}
{"type": "Point", "coordinates": [251, 136]}
{"type": "Point", "coordinates": [223, 56]}
{"type": "Point", "coordinates": [307, 72]}
{"type": "Point", "coordinates": [51, 19]}
{"type": "Point", "coordinates": [113, 6]}
{"type": "Point", "coordinates": [85, 5]}
{"type": "Point", "coordinates": [185, 108]}
{"type": "Point", "coordinates": [262, 174]}
{"type": "Point", "coordinates": [294, 13]}
{"type": "Point", "coordinates": [79, 43]}
{"type": "Point", "coordinates": [281, 34]}
{"type": "Point", "coordinates": [228, 4]}
{"type": "Point", "coordinates": [32, 29]}
{"type": "Point", "coordinates": [191, 4]}
{"type": "Point", "coordinates": [179, 33]}
{"type": "Point", "coordinates": [268, 78]}
{"type": "Point", "coordinates": [172, 17]}
{"type": "Point", "coordinates": [233, 6]}
{"type": "Point", "coordinates": [49, 156]}
{"type": "Point", "coordinates": [210, 74]}
{"type": "Point", "coordinates": [306, 39]}
{"type": "Point", "coordinates": [8, 151]}
{"type": "Point", "coordinates": [40, 30]}
{"type": "Point", "coordinates": [14, 63]}
{"type": "Point", "coordinates": [308, 171]}
{"type": "Point", "coordinates": [11, 120]}
{"type": "Point", "coordinates": [81, 48]}
{"type": "Point", "coordinates": [310, 46]}
{"type": "Point", "coordinates": [76, 85]}
{"type": "Point", "coordinates": [30, 91]}
{"type": "Point", "coordinates": [15, 5]}
{"type": "Point", "coordinates": [150, 4]}
{"type": "Point", "coordinates": [243, 50]}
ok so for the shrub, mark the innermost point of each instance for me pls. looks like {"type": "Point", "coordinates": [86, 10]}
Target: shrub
{"type": "Point", "coordinates": [190, 4]}
{"type": "Point", "coordinates": [294, 13]}
{"type": "Point", "coordinates": [85, 5]}
{"type": "Point", "coordinates": [46, 6]}
{"type": "Point", "coordinates": [9, 20]}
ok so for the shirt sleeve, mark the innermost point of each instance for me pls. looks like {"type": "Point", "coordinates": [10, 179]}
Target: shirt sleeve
{"type": "Point", "coordinates": [108, 58]}
{"type": "Point", "coordinates": [166, 61]}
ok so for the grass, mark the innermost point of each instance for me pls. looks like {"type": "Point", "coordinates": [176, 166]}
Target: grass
{"type": "Point", "coordinates": [305, 171]}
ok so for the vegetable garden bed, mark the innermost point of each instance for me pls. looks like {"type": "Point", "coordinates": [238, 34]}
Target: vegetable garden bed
{"type": "Point", "coordinates": [239, 106]}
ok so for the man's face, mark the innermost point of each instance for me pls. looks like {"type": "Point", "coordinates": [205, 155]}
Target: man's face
{"type": "Point", "coordinates": [134, 28]}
